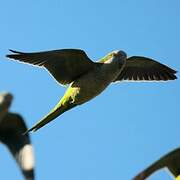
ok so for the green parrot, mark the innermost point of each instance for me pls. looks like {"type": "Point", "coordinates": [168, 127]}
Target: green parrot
{"type": "Point", "coordinates": [86, 78]}
{"type": "Point", "coordinates": [170, 161]}
{"type": "Point", "coordinates": [12, 126]}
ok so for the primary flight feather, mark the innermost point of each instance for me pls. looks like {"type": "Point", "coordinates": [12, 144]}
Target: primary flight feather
{"type": "Point", "coordinates": [86, 78]}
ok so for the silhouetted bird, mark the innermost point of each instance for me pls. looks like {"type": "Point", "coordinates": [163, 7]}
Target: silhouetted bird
{"type": "Point", "coordinates": [88, 79]}
{"type": "Point", "coordinates": [170, 161]}
{"type": "Point", "coordinates": [12, 126]}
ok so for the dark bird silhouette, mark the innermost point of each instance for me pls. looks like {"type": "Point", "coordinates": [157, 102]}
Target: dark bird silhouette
{"type": "Point", "coordinates": [171, 161]}
{"type": "Point", "coordinates": [12, 126]}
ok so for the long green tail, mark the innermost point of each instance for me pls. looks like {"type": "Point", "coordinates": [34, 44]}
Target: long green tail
{"type": "Point", "coordinates": [57, 111]}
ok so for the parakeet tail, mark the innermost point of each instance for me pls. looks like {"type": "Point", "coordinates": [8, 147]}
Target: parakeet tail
{"type": "Point", "coordinates": [57, 111]}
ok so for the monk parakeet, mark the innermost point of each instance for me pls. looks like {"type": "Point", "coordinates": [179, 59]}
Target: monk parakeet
{"type": "Point", "coordinates": [171, 161]}
{"type": "Point", "coordinates": [86, 78]}
{"type": "Point", "coordinates": [12, 126]}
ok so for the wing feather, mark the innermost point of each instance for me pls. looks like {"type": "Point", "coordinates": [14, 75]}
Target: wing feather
{"type": "Point", "coordinates": [65, 65]}
{"type": "Point", "coordinates": [139, 68]}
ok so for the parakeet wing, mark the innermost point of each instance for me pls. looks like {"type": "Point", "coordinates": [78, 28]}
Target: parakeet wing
{"type": "Point", "coordinates": [170, 160]}
{"type": "Point", "coordinates": [65, 65]}
{"type": "Point", "coordinates": [139, 68]}
{"type": "Point", "coordinates": [12, 127]}
{"type": "Point", "coordinates": [105, 58]}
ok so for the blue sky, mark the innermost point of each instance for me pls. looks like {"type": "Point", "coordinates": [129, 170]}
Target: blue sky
{"type": "Point", "coordinates": [129, 125]}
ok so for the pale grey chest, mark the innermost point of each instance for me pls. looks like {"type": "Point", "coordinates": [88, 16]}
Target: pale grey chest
{"type": "Point", "coordinates": [94, 82]}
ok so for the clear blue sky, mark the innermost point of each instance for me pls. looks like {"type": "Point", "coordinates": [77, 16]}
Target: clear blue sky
{"type": "Point", "coordinates": [128, 126]}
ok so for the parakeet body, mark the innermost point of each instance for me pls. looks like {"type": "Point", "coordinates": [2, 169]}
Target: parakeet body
{"type": "Point", "coordinates": [84, 88]}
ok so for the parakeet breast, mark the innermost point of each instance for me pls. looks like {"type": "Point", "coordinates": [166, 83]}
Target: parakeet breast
{"type": "Point", "coordinates": [92, 83]}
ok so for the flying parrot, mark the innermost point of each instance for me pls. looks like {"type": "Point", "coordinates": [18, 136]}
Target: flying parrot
{"type": "Point", "coordinates": [87, 79]}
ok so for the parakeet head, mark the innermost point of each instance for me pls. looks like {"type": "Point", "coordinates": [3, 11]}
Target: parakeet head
{"type": "Point", "coordinates": [120, 54]}
{"type": "Point", "coordinates": [5, 100]}
{"type": "Point", "coordinates": [117, 57]}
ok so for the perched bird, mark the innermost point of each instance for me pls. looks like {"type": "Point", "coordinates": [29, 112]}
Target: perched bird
{"type": "Point", "coordinates": [86, 78]}
{"type": "Point", "coordinates": [11, 128]}
{"type": "Point", "coordinates": [170, 161]}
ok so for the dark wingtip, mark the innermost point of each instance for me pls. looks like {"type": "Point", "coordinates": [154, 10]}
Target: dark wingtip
{"type": "Point", "coordinates": [10, 55]}
{"type": "Point", "coordinates": [170, 73]}
{"type": "Point", "coordinates": [174, 76]}
{"type": "Point", "coordinates": [14, 56]}
{"type": "Point", "coordinates": [174, 71]}
{"type": "Point", "coordinates": [14, 51]}
{"type": "Point", "coordinates": [29, 174]}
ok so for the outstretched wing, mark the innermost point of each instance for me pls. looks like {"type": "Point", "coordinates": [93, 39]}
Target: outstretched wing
{"type": "Point", "coordinates": [12, 127]}
{"type": "Point", "coordinates": [170, 160]}
{"type": "Point", "coordinates": [65, 65]}
{"type": "Point", "coordinates": [139, 68]}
